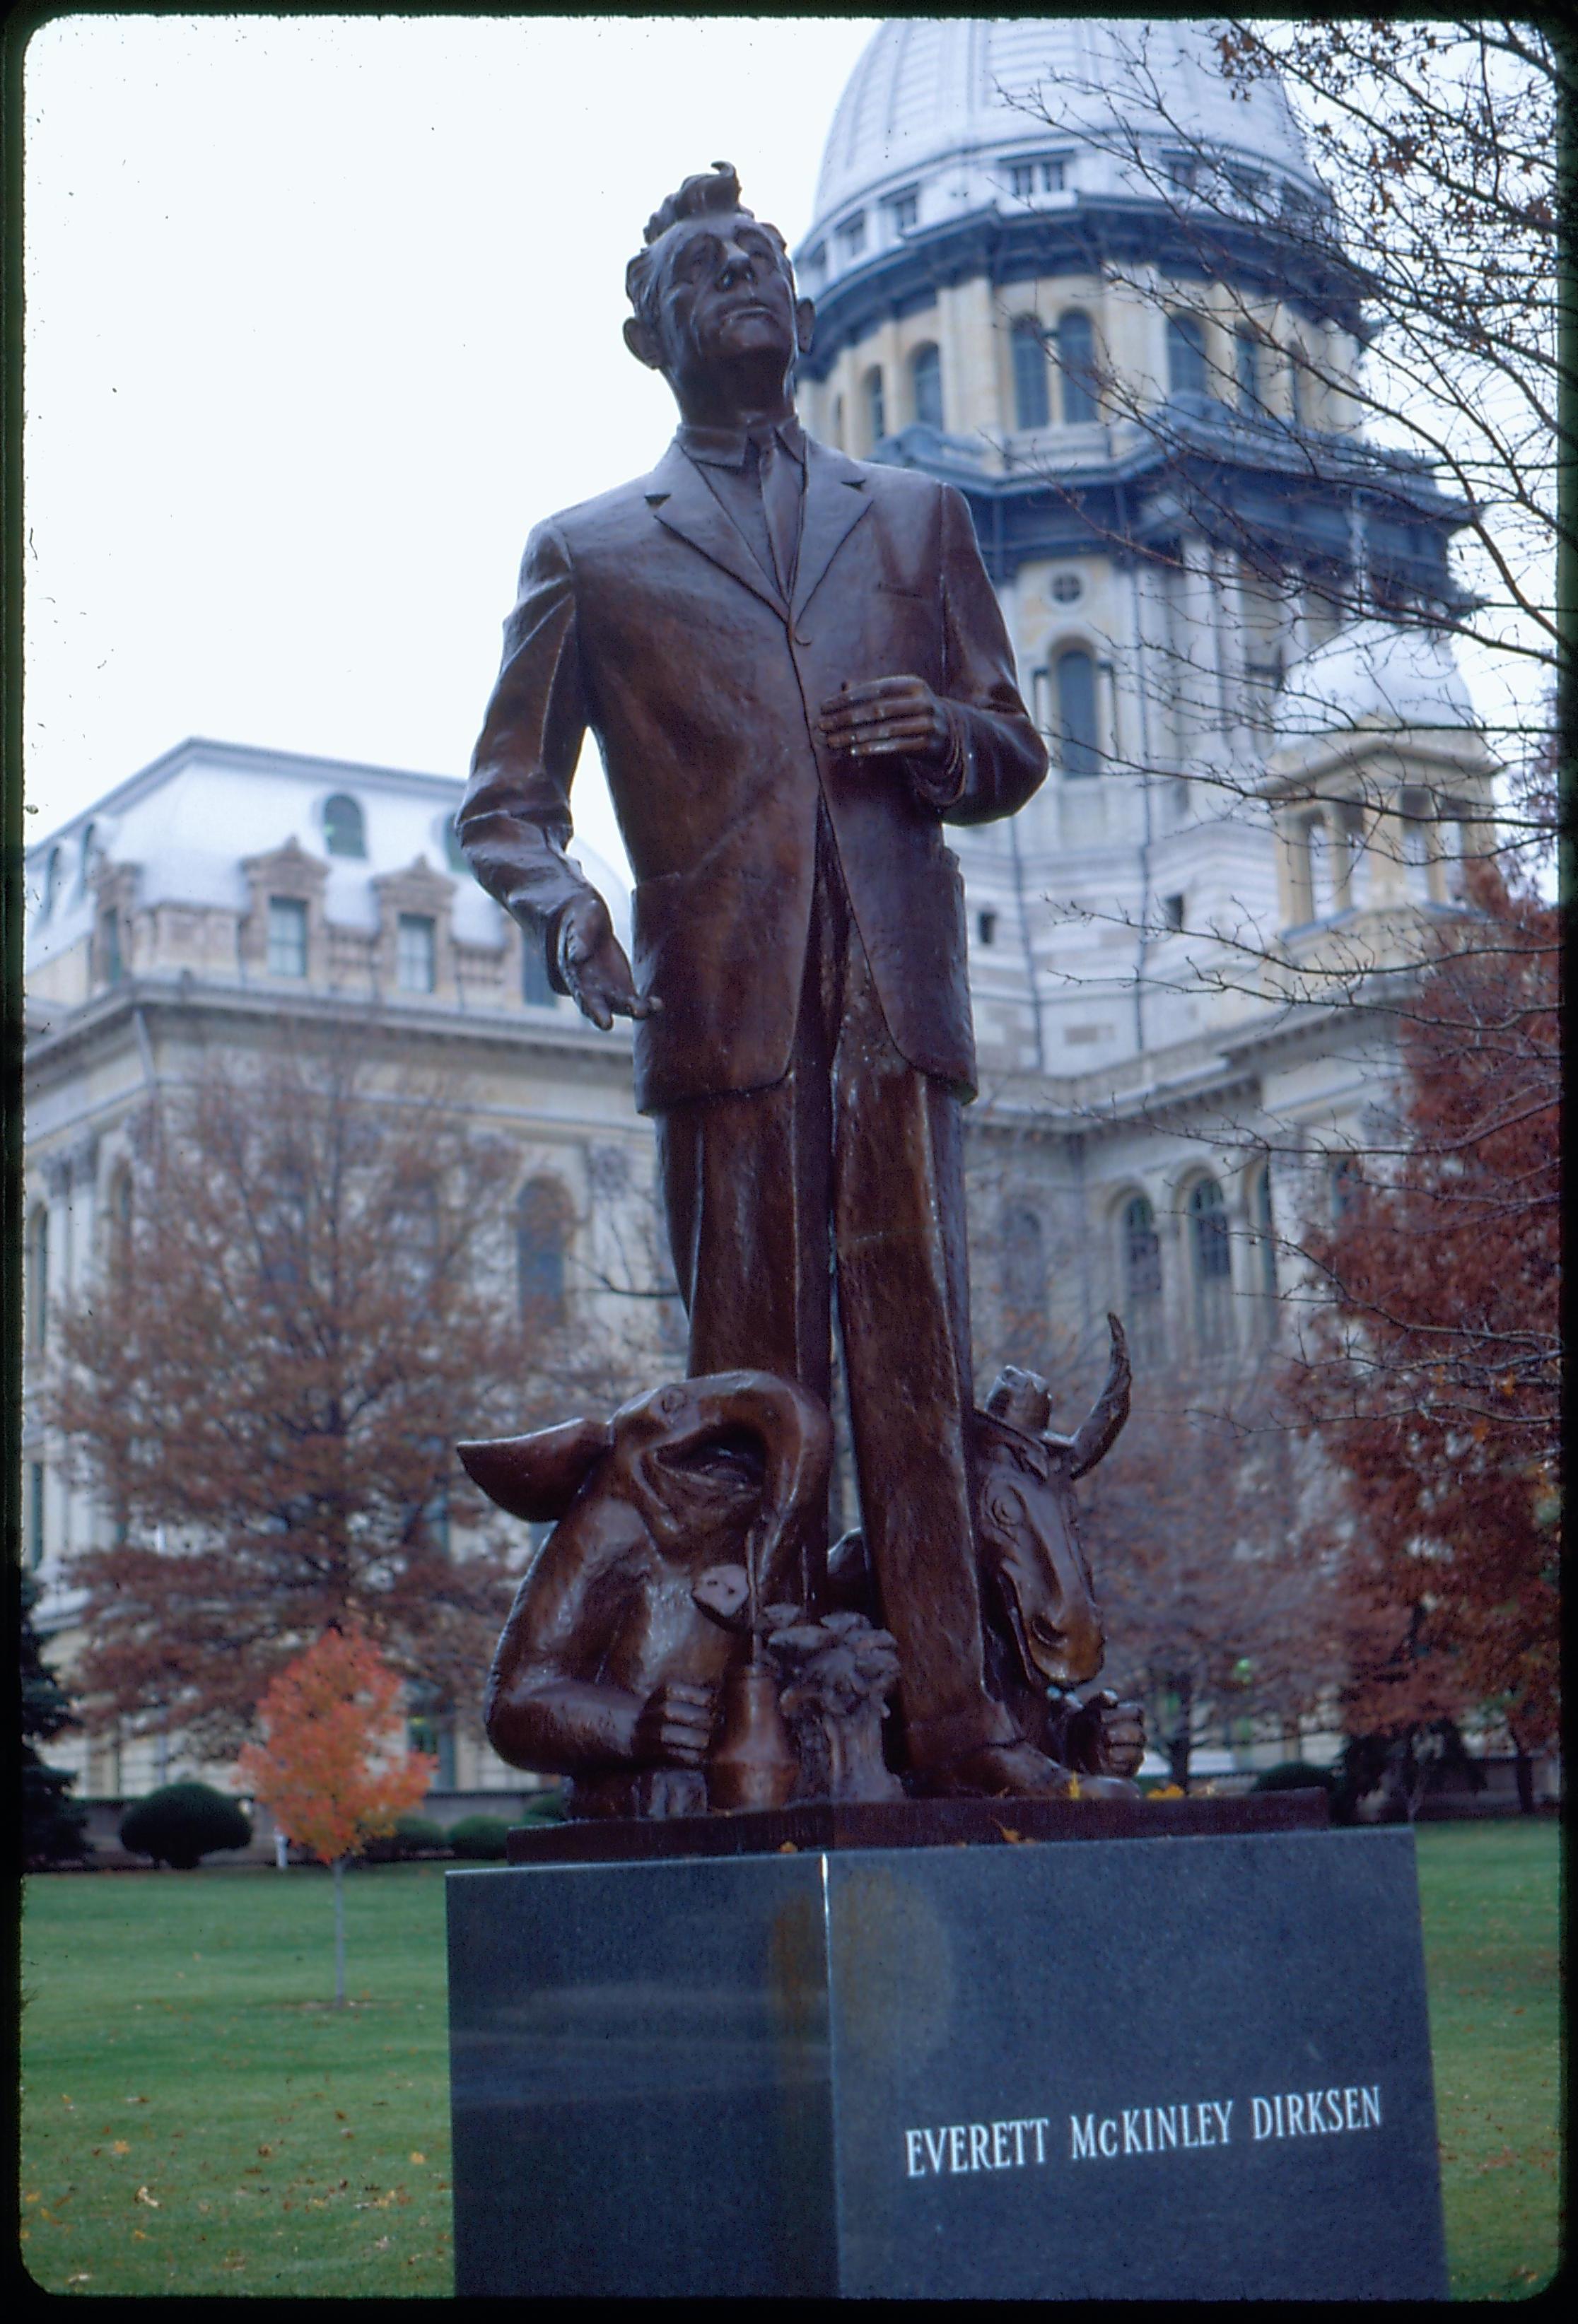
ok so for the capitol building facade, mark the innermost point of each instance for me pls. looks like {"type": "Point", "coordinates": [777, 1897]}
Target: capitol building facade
{"type": "Point", "coordinates": [1058, 264]}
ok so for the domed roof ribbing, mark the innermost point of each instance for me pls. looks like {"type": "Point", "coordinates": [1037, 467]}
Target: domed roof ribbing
{"type": "Point", "coordinates": [929, 92]}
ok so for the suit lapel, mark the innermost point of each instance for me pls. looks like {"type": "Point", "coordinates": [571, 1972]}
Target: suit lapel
{"type": "Point", "coordinates": [835, 500]}
{"type": "Point", "coordinates": [678, 498]}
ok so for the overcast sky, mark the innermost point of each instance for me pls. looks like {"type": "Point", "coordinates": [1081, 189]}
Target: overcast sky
{"type": "Point", "coordinates": [322, 316]}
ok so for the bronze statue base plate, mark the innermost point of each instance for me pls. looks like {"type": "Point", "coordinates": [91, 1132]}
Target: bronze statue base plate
{"type": "Point", "coordinates": [812, 1826]}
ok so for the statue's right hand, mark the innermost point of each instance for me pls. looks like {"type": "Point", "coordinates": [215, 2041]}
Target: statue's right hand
{"type": "Point", "coordinates": [593, 964]}
{"type": "Point", "coordinates": [675, 1726]}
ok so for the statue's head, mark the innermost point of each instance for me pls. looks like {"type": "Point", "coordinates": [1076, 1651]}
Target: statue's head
{"type": "Point", "coordinates": [713, 292]}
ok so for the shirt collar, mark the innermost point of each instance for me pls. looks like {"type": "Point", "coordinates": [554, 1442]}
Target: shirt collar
{"type": "Point", "coordinates": [725, 447]}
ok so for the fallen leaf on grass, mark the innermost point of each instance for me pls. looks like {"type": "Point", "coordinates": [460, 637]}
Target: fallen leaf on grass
{"type": "Point", "coordinates": [120, 2148]}
{"type": "Point", "coordinates": [84, 2278]}
{"type": "Point", "coordinates": [415, 2157]}
{"type": "Point", "coordinates": [145, 2197]}
{"type": "Point", "coordinates": [138, 2236]}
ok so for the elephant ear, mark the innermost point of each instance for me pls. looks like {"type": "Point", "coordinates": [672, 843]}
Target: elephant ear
{"type": "Point", "coordinates": [536, 1476]}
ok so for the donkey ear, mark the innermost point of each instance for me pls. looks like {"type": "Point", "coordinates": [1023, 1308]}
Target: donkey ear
{"type": "Point", "coordinates": [536, 1476]}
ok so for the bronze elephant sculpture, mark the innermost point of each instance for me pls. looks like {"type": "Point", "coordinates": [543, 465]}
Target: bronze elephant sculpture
{"type": "Point", "coordinates": [609, 1667]}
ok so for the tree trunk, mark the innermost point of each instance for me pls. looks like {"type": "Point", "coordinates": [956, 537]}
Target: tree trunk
{"type": "Point", "coordinates": [339, 1933]}
{"type": "Point", "coordinates": [1523, 1775]}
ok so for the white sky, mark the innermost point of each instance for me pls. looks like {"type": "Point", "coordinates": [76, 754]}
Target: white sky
{"type": "Point", "coordinates": [323, 314]}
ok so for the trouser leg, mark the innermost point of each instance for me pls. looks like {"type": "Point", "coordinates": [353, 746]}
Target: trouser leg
{"type": "Point", "coordinates": [903, 1299]}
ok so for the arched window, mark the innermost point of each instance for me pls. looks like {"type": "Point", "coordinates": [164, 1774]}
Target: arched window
{"type": "Point", "coordinates": [1141, 1263]}
{"type": "Point", "coordinates": [345, 831]}
{"type": "Point", "coordinates": [1296, 395]}
{"type": "Point", "coordinates": [926, 381]}
{"type": "Point", "coordinates": [54, 870]}
{"type": "Point", "coordinates": [85, 859]}
{"type": "Point", "coordinates": [1076, 360]}
{"type": "Point", "coordinates": [876, 407]}
{"type": "Point", "coordinates": [1077, 751]}
{"type": "Point", "coordinates": [1186, 356]}
{"type": "Point", "coordinates": [1246, 364]}
{"type": "Point", "coordinates": [1023, 1244]}
{"type": "Point", "coordinates": [543, 1217]}
{"type": "Point", "coordinates": [37, 1293]}
{"type": "Point", "coordinates": [1032, 408]}
{"type": "Point", "coordinates": [1213, 1264]}
{"type": "Point", "coordinates": [1322, 878]}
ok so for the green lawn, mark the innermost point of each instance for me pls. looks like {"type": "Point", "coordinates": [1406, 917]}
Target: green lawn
{"type": "Point", "coordinates": [1489, 1896]}
{"type": "Point", "coordinates": [195, 2119]}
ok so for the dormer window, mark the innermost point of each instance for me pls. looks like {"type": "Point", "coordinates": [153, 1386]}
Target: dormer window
{"type": "Point", "coordinates": [287, 936]}
{"type": "Point", "coordinates": [415, 953]}
{"type": "Point", "coordinates": [904, 210]}
{"type": "Point", "coordinates": [1043, 174]}
{"type": "Point", "coordinates": [814, 265]}
{"type": "Point", "coordinates": [851, 237]}
{"type": "Point", "coordinates": [345, 831]}
{"type": "Point", "coordinates": [53, 871]}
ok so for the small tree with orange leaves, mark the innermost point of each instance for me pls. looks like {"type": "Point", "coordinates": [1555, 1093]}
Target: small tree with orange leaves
{"type": "Point", "coordinates": [327, 1768]}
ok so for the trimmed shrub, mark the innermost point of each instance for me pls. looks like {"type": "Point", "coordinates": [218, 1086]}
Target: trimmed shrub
{"type": "Point", "coordinates": [181, 1823]}
{"type": "Point", "coordinates": [544, 1807]}
{"type": "Point", "coordinates": [414, 1835]}
{"type": "Point", "coordinates": [1295, 1775]}
{"type": "Point", "coordinates": [479, 1838]}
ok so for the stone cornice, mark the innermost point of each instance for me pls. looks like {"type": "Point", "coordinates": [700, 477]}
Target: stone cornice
{"type": "Point", "coordinates": [56, 1048]}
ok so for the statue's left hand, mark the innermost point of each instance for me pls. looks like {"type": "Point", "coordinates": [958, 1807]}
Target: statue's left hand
{"type": "Point", "coordinates": [887, 718]}
{"type": "Point", "coordinates": [1106, 1737]}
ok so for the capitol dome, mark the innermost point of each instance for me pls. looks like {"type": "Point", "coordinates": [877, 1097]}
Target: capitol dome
{"type": "Point", "coordinates": [942, 108]}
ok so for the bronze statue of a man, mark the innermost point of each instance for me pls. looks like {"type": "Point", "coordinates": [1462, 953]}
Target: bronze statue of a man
{"type": "Point", "coordinates": [797, 671]}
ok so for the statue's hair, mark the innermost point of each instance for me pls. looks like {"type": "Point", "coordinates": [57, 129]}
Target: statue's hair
{"type": "Point", "coordinates": [716, 190]}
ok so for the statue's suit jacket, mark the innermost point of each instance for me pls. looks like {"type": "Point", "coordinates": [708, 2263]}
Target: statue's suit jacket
{"type": "Point", "coordinates": [644, 616]}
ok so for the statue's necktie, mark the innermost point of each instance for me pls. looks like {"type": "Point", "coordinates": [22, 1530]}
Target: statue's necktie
{"type": "Point", "coordinates": [780, 471]}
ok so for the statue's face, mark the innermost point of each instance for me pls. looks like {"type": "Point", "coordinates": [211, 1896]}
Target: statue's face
{"type": "Point", "coordinates": [725, 296]}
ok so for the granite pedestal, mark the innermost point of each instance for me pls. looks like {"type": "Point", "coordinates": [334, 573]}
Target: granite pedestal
{"type": "Point", "coordinates": [1193, 2066]}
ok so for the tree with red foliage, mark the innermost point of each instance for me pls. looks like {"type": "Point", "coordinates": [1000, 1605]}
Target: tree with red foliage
{"type": "Point", "coordinates": [1218, 1592]}
{"type": "Point", "coordinates": [263, 1386]}
{"type": "Point", "coordinates": [1433, 1368]}
{"type": "Point", "coordinates": [327, 1768]}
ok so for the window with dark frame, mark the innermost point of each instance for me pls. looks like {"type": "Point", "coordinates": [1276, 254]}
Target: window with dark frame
{"type": "Point", "coordinates": [287, 954]}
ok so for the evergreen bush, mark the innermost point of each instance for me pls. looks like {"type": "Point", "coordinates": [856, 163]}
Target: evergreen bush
{"type": "Point", "coordinates": [53, 1827]}
{"type": "Point", "coordinates": [180, 1823]}
{"type": "Point", "coordinates": [479, 1838]}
